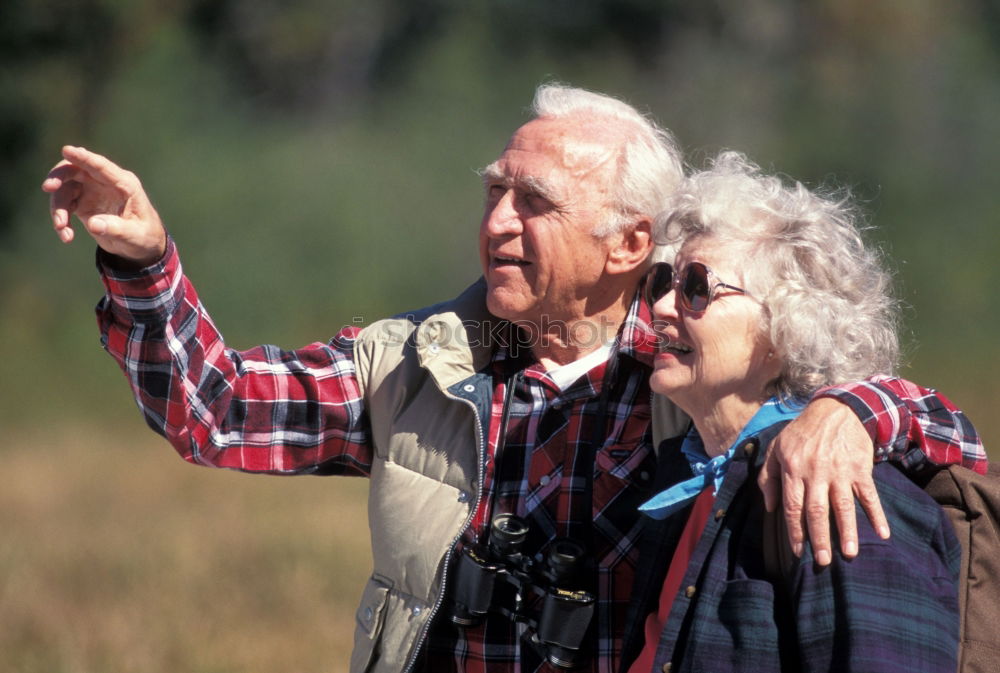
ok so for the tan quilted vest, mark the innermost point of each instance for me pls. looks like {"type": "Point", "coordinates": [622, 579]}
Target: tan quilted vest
{"type": "Point", "coordinates": [427, 405]}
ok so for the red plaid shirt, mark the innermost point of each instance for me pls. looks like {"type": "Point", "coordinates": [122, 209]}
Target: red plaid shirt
{"type": "Point", "coordinates": [301, 411]}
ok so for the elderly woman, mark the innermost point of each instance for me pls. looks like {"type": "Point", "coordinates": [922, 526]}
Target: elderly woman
{"type": "Point", "coordinates": [772, 295]}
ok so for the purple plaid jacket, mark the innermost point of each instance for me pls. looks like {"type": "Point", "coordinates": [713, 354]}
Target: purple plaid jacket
{"type": "Point", "coordinates": [892, 609]}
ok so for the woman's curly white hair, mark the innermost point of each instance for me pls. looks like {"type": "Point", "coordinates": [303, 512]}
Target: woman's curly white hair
{"type": "Point", "coordinates": [828, 310]}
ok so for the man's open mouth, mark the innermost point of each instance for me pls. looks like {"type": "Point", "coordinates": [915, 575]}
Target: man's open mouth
{"type": "Point", "coordinates": [509, 260]}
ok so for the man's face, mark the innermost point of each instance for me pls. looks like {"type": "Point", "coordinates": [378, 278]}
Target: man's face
{"type": "Point", "coordinates": [544, 196]}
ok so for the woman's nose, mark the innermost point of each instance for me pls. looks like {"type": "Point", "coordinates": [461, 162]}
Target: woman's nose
{"type": "Point", "coordinates": [665, 307]}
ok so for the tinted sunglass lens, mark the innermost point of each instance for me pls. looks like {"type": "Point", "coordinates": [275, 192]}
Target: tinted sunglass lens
{"type": "Point", "coordinates": [695, 290]}
{"type": "Point", "coordinates": [658, 282]}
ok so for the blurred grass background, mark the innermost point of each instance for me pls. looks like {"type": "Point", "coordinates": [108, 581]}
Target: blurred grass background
{"type": "Point", "coordinates": [313, 160]}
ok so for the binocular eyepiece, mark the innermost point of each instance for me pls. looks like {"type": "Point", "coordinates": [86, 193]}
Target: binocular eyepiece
{"type": "Point", "coordinates": [507, 534]}
{"type": "Point", "coordinates": [562, 621]}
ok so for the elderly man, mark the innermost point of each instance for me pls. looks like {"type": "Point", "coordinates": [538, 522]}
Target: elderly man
{"type": "Point", "coordinates": [526, 398]}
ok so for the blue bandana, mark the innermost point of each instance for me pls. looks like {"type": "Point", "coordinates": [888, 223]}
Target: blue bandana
{"type": "Point", "coordinates": [713, 470]}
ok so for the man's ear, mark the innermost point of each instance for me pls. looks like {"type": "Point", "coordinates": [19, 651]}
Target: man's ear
{"type": "Point", "coordinates": [630, 248]}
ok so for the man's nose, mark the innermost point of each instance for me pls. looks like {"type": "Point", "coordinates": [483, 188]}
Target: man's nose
{"type": "Point", "coordinates": [502, 219]}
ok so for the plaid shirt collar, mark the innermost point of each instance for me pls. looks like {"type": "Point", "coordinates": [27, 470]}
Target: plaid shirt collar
{"type": "Point", "coordinates": [635, 339]}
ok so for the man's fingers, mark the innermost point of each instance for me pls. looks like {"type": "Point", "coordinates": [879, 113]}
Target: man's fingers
{"type": "Point", "coordinates": [769, 481]}
{"type": "Point", "coordinates": [842, 501]}
{"type": "Point", "coordinates": [62, 203]}
{"type": "Point", "coordinates": [818, 521]}
{"type": "Point", "coordinates": [63, 191]}
{"type": "Point", "coordinates": [872, 505]}
{"type": "Point", "coordinates": [110, 202]}
{"type": "Point", "coordinates": [60, 174]}
{"type": "Point", "coordinates": [65, 186]}
{"type": "Point", "coordinates": [98, 168]}
{"type": "Point", "coordinates": [791, 498]}
{"type": "Point", "coordinates": [107, 226]}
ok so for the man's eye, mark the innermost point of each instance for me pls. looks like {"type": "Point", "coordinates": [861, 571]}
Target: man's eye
{"type": "Point", "coordinates": [537, 202]}
{"type": "Point", "coordinates": [495, 192]}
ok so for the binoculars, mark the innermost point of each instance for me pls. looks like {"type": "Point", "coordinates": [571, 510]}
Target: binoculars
{"type": "Point", "coordinates": [484, 572]}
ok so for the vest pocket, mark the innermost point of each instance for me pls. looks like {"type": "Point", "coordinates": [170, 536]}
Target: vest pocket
{"type": "Point", "coordinates": [369, 620]}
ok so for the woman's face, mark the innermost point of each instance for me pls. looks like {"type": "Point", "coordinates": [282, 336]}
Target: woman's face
{"type": "Point", "coordinates": [719, 354]}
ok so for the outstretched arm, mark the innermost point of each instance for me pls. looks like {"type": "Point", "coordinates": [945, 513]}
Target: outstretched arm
{"type": "Point", "coordinates": [262, 410]}
{"type": "Point", "coordinates": [823, 459]}
{"type": "Point", "coordinates": [110, 203]}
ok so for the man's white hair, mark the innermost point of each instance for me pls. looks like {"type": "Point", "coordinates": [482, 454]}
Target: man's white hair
{"type": "Point", "coordinates": [649, 163]}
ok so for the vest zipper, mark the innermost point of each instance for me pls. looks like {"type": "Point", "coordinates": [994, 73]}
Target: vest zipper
{"type": "Point", "coordinates": [451, 549]}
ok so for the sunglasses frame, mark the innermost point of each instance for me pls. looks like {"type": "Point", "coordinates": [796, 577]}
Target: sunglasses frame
{"type": "Point", "coordinates": [677, 280]}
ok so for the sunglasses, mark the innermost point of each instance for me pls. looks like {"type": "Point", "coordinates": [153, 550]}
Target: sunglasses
{"type": "Point", "coordinates": [696, 284]}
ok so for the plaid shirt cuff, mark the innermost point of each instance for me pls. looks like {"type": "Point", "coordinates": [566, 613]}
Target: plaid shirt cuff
{"type": "Point", "coordinates": [915, 426]}
{"type": "Point", "coordinates": [143, 295]}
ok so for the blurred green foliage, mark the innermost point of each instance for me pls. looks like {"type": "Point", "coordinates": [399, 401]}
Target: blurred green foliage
{"type": "Point", "coordinates": [312, 157]}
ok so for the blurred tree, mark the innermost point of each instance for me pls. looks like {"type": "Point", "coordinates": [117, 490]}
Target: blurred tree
{"type": "Point", "coordinates": [286, 55]}
{"type": "Point", "coordinates": [990, 13]}
{"type": "Point", "coordinates": [572, 28]}
{"type": "Point", "coordinates": [353, 99]}
{"type": "Point", "coordinates": [56, 58]}
{"type": "Point", "coordinates": [310, 155]}
{"type": "Point", "coordinates": [328, 54]}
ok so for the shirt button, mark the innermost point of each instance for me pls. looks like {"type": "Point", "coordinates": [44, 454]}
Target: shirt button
{"type": "Point", "coordinates": [719, 513]}
{"type": "Point", "coordinates": [544, 481]}
{"type": "Point", "coordinates": [369, 613]}
{"type": "Point", "coordinates": [463, 496]}
{"type": "Point", "coordinates": [748, 448]}
{"type": "Point", "coordinates": [690, 591]}
{"type": "Point", "coordinates": [469, 388]}
{"type": "Point", "coordinates": [417, 610]}
{"type": "Point", "coordinates": [666, 667]}
{"type": "Point", "coordinates": [644, 476]}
